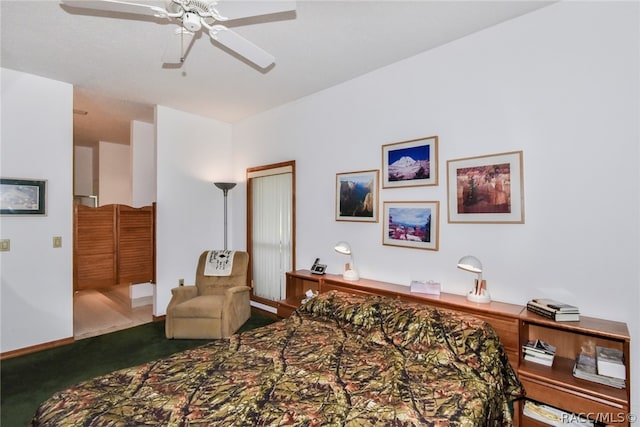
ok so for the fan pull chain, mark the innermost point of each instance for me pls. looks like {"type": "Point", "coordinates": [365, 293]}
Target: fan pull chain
{"type": "Point", "coordinates": [181, 47]}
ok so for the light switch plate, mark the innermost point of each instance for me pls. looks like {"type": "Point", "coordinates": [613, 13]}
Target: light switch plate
{"type": "Point", "coordinates": [5, 245]}
{"type": "Point", "coordinates": [57, 241]}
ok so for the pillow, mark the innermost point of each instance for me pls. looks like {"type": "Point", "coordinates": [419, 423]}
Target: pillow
{"type": "Point", "coordinates": [405, 324]}
{"type": "Point", "coordinates": [358, 310]}
{"type": "Point", "coordinates": [401, 322]}
{"type": "Point", "coordinates": [414, 324]}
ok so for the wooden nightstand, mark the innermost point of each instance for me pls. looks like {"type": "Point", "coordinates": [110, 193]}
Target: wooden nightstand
{"type": "Point", "coordinates": [288, 306]}
{"type": "Point", "coordinates": [556, 386]}
{"type": "Point", "coordinates": [298, 282]}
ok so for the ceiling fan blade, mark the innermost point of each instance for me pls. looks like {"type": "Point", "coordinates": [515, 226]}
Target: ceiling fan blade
{"type": "Point", "coordinates": [231, 9]}
{"type": "Point", "coordinates": [118, 6]}
{"type": "Point", "coordinates": [178, 46]}
{"type": "Point", "coordinates": [241, 46]}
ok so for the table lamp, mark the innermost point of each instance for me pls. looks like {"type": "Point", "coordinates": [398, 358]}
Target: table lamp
{"type": "Point", "coordinates": [350, 272]}
{"type": "Point", "coordinates": [479, 292]}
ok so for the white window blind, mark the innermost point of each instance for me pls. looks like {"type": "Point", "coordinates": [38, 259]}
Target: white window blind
{"type": "Point", "coordinates": [271, 233]}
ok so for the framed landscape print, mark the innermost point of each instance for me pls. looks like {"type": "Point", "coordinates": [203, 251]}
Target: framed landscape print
{"type": "Point", "coordinates": [357, 196]}
{"type": "Point", "coordinates": [486, 189]}
{"type": "Point", "coordinates": [22, 196]}
{"type": "Point", "coordinates": [410, 163]}
{"type": "Point", "coordinates": [411, 224]}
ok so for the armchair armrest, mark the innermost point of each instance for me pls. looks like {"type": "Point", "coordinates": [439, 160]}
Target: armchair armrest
{"type": "Point", "coordinates": [236, 308]}
{"type": "Point", "coordinates": [236, 290]}
{"type": "Point", "coordinates": [181, 294]}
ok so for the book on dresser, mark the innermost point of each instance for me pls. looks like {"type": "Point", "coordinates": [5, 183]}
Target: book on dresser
{"type": "Point", "coordinates": [539, 351]}
{"type": "Point", "coordinates": [610, 362]}
{"type": "Point", "coordinates": [550, 304]}
{"type": "Point", "coordinates": [586, 368]}
{"type": "Point", "coordinates": [550, 415]}
{"type": "Point", "coordinates": [554, 310]}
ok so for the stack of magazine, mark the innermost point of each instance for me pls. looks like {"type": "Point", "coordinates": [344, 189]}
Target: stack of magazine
{"type": "Point", "coordinates": [586, 368]}
{"type": "Point", "coordinates": [610, 362]}
{"type": "Point", "coordinates": [554, 310]}
{"type": "Point", "coordinates": [553, 416]}
{"type": "Point", "coordinates": [539, 351]}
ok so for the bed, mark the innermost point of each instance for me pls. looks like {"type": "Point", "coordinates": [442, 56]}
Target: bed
{"type": "Point", "coordinates": [339, 360]}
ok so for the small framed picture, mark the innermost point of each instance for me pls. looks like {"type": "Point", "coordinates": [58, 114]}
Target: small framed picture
{"type": "Point", "coordinates": [411, 224]}
{"type": "Point", "coordinates": [23, 196]}
{"type": "Point", "coordinates": [486, 189]}
{"type": "Point", "coordinates": [410, 163]}
{"type": "Point", "coordinates": [357, 196]}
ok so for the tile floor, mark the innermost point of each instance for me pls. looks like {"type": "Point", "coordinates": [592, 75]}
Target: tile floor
{"type": "Point", "coordinates": [97, 312]}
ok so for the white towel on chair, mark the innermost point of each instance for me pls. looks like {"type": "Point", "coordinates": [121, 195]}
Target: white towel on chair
{"type": "Point", "coordinates": [219, 263]}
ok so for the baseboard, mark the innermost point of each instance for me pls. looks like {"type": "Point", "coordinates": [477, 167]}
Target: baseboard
{"type": "Point", "coordinates": [36, 348]}
{"type": "Point", "coordinates": [139, 302]}
{"type": "Point", "coordinates": [265, 312]}
{"type": "Point", "coordinates": [158, 318]}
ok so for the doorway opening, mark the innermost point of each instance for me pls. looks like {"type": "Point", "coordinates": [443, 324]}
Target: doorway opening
{"type": "Point", "coordinates": [114, 146]}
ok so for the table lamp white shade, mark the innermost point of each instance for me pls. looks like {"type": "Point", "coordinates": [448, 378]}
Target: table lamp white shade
{"type": "Point", "coordinates": [350, 273]}
{"type": "Point", "coordinates": [472, 264]}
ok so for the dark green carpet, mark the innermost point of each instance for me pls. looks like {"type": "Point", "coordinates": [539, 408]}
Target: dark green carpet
{"type": "Point", "coordinates": [29, 380]}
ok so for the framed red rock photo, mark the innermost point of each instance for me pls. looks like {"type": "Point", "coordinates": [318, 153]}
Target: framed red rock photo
{"type": "Point", "coordinates": [486, 189]}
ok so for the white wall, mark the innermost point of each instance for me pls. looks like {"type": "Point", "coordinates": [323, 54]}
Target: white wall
{"type": "Point", "coordinates": [83, 171]}
{"type": "Point", "coordinates": [561, 84]}
{"type": "Point", "coordinates": [192, 153]}
{"type": "Point", "coordinates": [114, 172]}
{"type": "Point", "coordinates": [143, 163]}
{"type": "Point", "coordinates": [37, 282]}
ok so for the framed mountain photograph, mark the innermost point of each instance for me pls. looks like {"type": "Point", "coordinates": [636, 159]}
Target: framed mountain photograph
{"type": "Point", "coordinates": [23, 196]}
{"type": "Point", "coordinates": [357, 196]}
{"type": "Point", "coordinates": [410, 163]}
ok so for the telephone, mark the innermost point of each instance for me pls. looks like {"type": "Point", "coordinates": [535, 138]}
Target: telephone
{"type": "Point", "coordinates": [318, 268]}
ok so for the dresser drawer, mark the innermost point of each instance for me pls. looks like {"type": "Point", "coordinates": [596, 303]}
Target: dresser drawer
{"type": "Point", "coordinates": [507, 330]}
{"type": "Point", "coordinates": [573, 401]}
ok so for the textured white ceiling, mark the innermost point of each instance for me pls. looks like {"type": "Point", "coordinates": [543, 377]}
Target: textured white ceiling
{"type": "Point", "coordinates": [114, 62]}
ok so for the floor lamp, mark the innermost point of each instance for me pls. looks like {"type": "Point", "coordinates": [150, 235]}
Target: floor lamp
{"type": "Point", "coordinates": [225, 187]}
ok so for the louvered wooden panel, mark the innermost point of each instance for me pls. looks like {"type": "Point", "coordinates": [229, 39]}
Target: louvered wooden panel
{"type": "Point", "coordinates": [94, 247]}
{"type": "Point", "coordinates": [135, 244]}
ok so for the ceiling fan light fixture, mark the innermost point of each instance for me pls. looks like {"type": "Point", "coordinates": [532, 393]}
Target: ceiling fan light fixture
{"type": "Point", "coordinates": [191, 22]}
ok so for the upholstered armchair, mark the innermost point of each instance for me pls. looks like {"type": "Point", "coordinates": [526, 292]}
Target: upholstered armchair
{"type": "Point", "coordinates": [216, 306]}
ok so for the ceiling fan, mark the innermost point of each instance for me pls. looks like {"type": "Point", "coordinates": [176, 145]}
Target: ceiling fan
{"type": "Point", "coordinates": [194, 15]}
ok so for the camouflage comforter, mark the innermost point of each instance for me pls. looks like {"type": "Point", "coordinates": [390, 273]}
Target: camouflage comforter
{"type": "Point", "coordinates": [340, 360]}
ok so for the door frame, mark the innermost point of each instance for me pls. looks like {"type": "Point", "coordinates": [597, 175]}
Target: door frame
{"type": "Point", "coordinates": [250, 171]}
